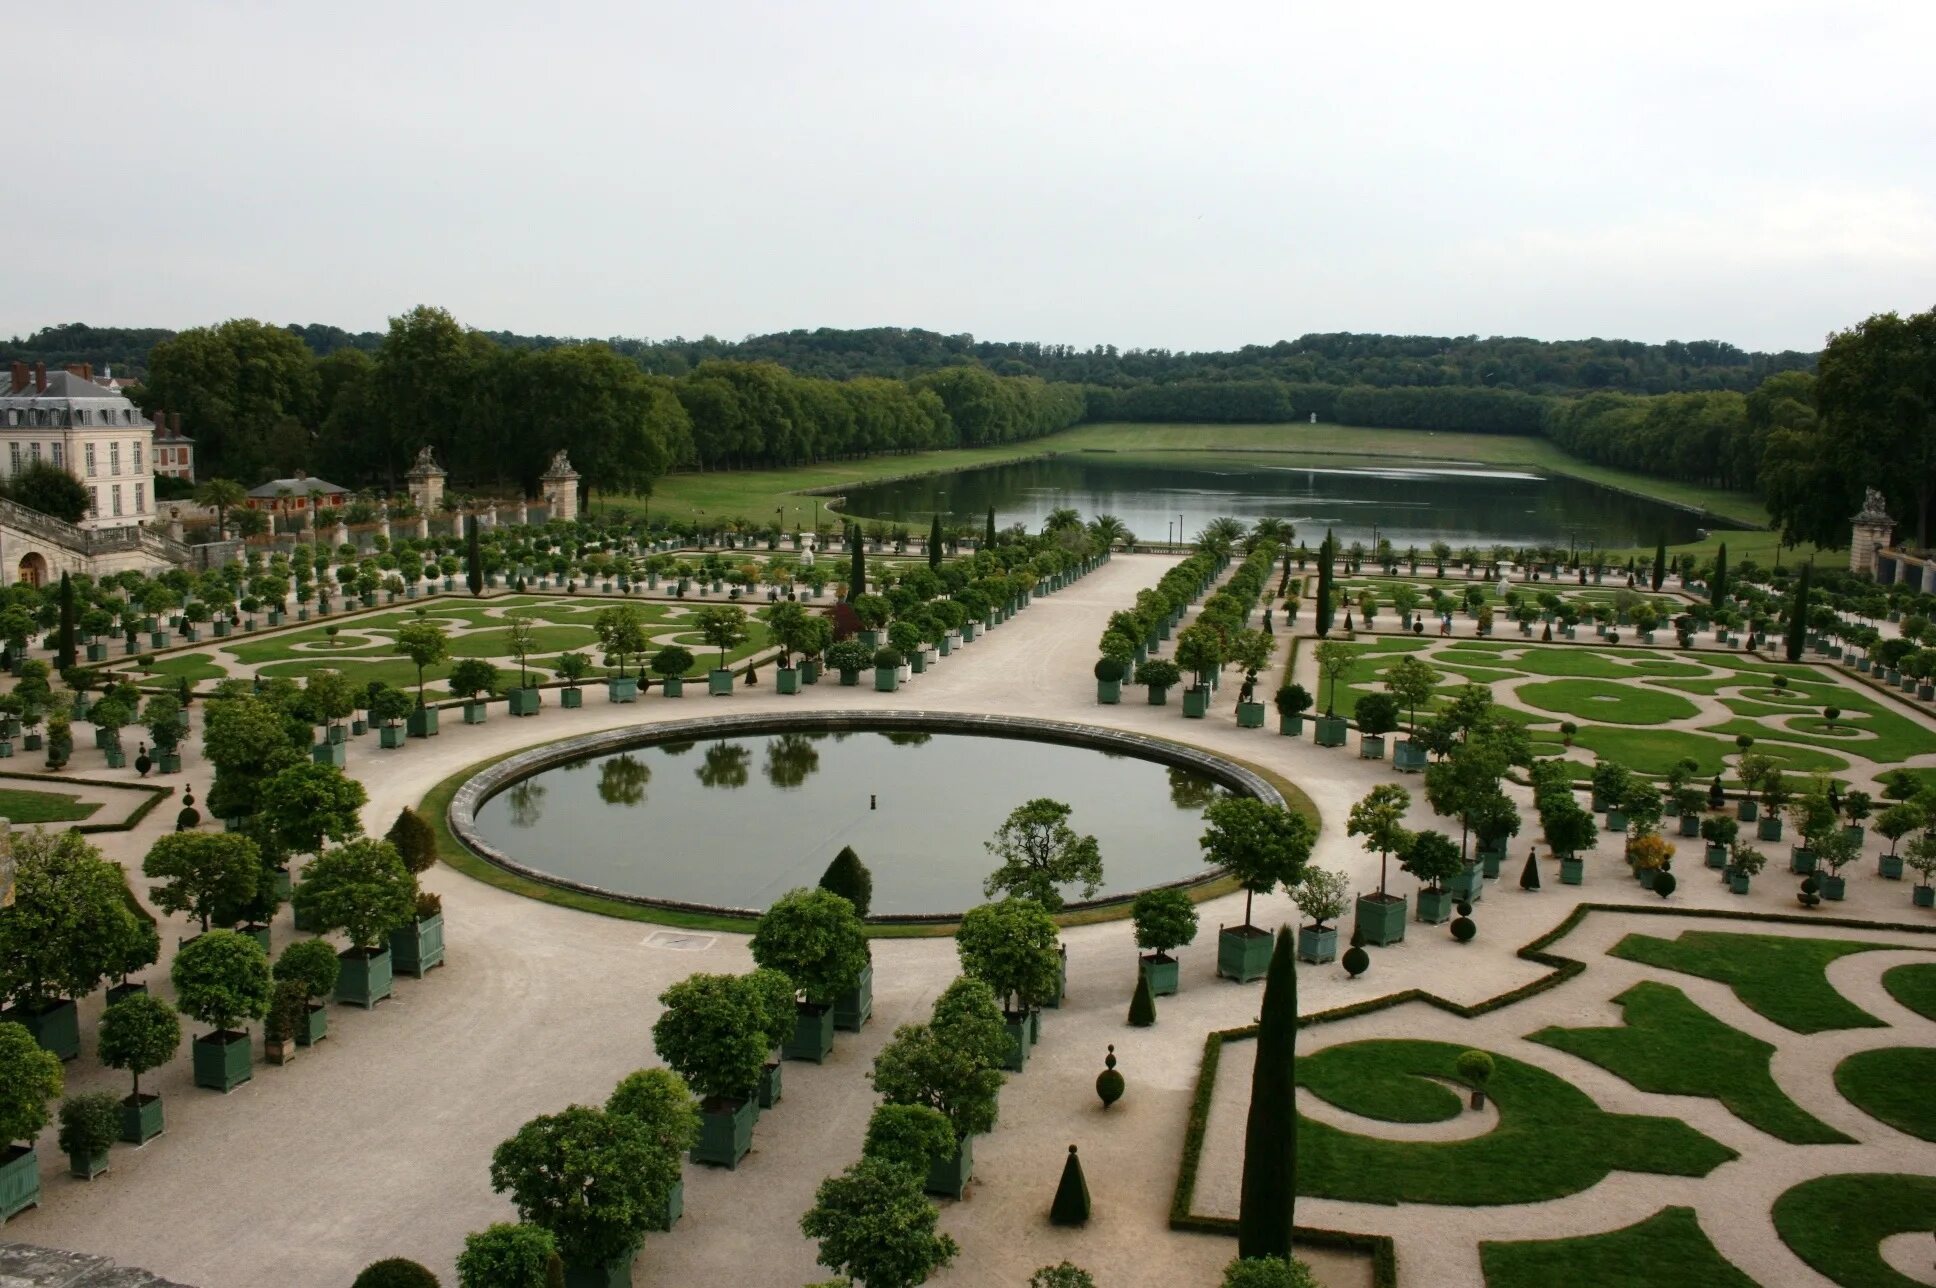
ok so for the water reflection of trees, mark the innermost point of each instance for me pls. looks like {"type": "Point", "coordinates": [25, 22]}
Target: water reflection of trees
{"type": "Point", "coordinates": [622, 780]}
{"type": "Point", "coordinates": [791, 759]}
{"type": "Point", "coordinates": [1189, 789]}
{"type": "Point", "coordinates": [677, 748]}
{"type": "Point", "coordinates": [725, 765]}
{"type": "Point", "coordinates": [905, 738]}
{"type": "Point", "coordinates": [527, 802]}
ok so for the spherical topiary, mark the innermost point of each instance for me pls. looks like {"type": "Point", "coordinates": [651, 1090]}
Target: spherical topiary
{"type": "Point", "coordinates": [1463, 929]}
{"type": "Point", "coordinates": [1110, 668]}
{"type": "Point", "coordinates": [1356, 961]}
{"type": "Point", "coordinates": [1109, 1083]}
{"type": "Point", "coordinates": [1664, 884]}
{"type": "Point", "coordinates": [1465, 908]}
{"type": "Point", "coordinates": [396, 1272]}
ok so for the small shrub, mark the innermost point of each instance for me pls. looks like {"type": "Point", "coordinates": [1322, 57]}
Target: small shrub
{"type": "Point", "coordinates": [507, 1255]}
{"type": "Point", "coordinates": [1109, 1083]}
{"type": "Point", "coordinates": [849, 878]}
{"type": "Point", "coordinates": [396, 1272]}
{"type": "Point", "coordinates": [1268, 1272]}
{"type": "Point", "coordinates": [1664, 884]}
{"type": "Point", "coordinates": [1142, 1006]}
{"type": "Point", "coordinates": [1463, 929]}
{"type": "Point", "coordinates": [910, 1136]}
{"type": "Point", "coordinates": [1063, 1275]}
{"type": "Point", "coordinates": [90, 1123]}
{"type": "Point", "coordinates": [1110, 669]}
{"type": "Point", "coordinates": [311, 963]}
{"type": "Point", "coordinates": [1356, 960]}
{"type": "Point", "coordinates": [1475, 1067]}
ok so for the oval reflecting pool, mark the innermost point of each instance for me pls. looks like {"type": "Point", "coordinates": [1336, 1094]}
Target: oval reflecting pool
{"type": "Point", "coordinates": [736, 821]}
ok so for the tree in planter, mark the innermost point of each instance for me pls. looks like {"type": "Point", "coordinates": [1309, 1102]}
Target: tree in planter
{"type": "Point", "coordinates": [659, 1101]}
{"type": "Point", "coordinates": [472, 676]}
{"type": "Point", "coordinates": [712, 1031]}
{"type": "Point", "coordinates": [953, 1064]}
{"type": "Point", "coordinates": [222, 979]}
{"type": "Point", "coordinates": [1432, 858]}
{"type": "Point", "coordinates": [621, 633]}
{"type": "Point", "coordinates": [394, 1272]}
{"type": "Point", "coordinates": [1377, 714]}
{"type": "Point", "coordinates": [1263, 846]}
{"type": "Point", "coordinates": [1200, 650]}
{"type": "Point", "coordinates": [1335, 661]}
{"type": "Point", "coordinates": [70, 924]}
{"type": "Point", "coordinates": [573, 667]}
{"type": "Point", "coordinates": [203, 873]}
{"type": "Point", "coordinates": [1611, 782]}
{"type": "Point", "coordinates": [1268, 1196]}
{"type": "Point", "coordinates": [723, 627]}
{"type": "Point", "coordinates": [29, 1079]}
{"type": "Point", "coordinates": [328, 698]}
{"type": "Point", "coordinates": [520, 641]}
{"type": "Point", "coordinates": [1251, 650]}
{"type": "Point", "coordinates": [1322, 895]}
{"type": "Point", "coordinates": [425, 643]}
{"type": "Point", "coordinates": [1013, 947]}
{"type": "Point", "coordinates": [849, 878]}
{"type": "Point", "coordinates": [597, 1181]}
{"type": "Point", "coordinates": [1719, 831]}
{"type": "Point", "coordinates": [138, 1033]}
{"type": "Point", "coordinates": [360, 888]}
{"type": "Point", "coordinates": [508, 1255]}
{"type": "Point", "coordinates": [1039, 853]}
{"type": "Point", "coordinates": [1380, 818]}
{"type": "Point", "coordinates": [306, 805]}
{"type": "Point", "coordinates": [1158, 673]}
{"type": "Point", "coordinates": [388, 705]}
{"type": "Point", "coordinates": [1898, 821]}
{"type": "Point", "coordinates": [814, 938]}
{"type": "Point", "coordinates": [1411, 681]}
{"type": "Point", "coordinates": [786, 622]}
{"type": "Point", "coordinates": [89, 1125]}
{"type": "Point", "coordinates": [876, 1227]}
{"type": "Point", "coordinates": [850, 658]}
{"type": "Point", "coordinates": [1164, 919]}
{"type": "Point", "coordinates": [1293, 700]}
{"type": "Point", "coordinates": [910, 1136]}
{"type": "Point", "coordinates": [1921, 855]}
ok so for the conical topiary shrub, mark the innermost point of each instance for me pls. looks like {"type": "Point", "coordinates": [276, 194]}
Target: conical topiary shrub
{"type": "Point", "coordinates": [1109, 1083]}
{"type": "Point", "coordinates": [1529, 875]}
{"type": "Point", "coordinates": [1142, 1007]}
{"type": "Point", "coordinates": [849, 878]}
{"type": "Point", "coordinates": [1071, 1206]}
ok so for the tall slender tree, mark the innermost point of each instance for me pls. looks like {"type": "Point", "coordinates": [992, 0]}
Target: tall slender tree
{"type": "Point", "coordinates": [1327, 551]}
{"type": "Point", "coordinates": [1660, 563]}
{"type": "Point", "coordinates": [934, 543]}
{"type": "Point", "coordinates": [1798, 615]}
{"type": "Point", "coordinates": [64, 656]}
{"type": "Point", "coordinates": [1718, 592]}
{"type": "Point", "coordinates": [856, 564]}
{"type": "Point", "coordinates": [1266, 1207]}
{"type": "Point", "coordinates": [473, 558]}
{"type": "Point", "coordinates": [988, 536]}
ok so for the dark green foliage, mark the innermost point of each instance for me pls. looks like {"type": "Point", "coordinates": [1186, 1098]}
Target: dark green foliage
{"type": "Point", "coordinates": [1164, 918]}
{"type": "Point", "coordinates": [1142, 1004]}
{"type": "Point", "coordinates": [1667, 1250]}
{"type": "Point", "coordinates": [1664, 883]}
{"type": "Point", "coordinates": [1327, 551]}
{"type": "Point", "coordinates": [90, 1123]}
{"type": "Point", "coordinates": [1109, 669]}
{"type": "Point", "coordinates": [508, 1256]}
{"type": "Point", "coordinates": [415, 840]}
{"type": "Point", "coordinates": [1014, 947]}
{"type": "Point", "coordinates": [659, 1101]}
{"type": "Point", "coordinates": [64, 653]}
{"type": "Point", "coordinates": [140, 1032]}
{"type": "Point", "coordinates": [1780, 978]}
{"type": "Point", "coordinates": [1267, 1272]}
{"type": "Point", "coordinates": [311, 963]}
{"type": "Point", "coordinates": [910, 1136]}
{"type": "Point", "coordinates": [1377, 713]}
{"type": "Point", "coordinates": [396, 1272]}
{"type": "Point", "coordinates": [1798, 616]}
{"type": "Point", "coordinates": [1463, 929]}
{"type": "Point", "coordinates": [1109, 1083]}
{"type": "Point", "coordinates": [360, 888]}
{"type": "Point", "coordinates": [849, 878]}
{"type": "Point", "coordinates": [1659, 574]}
{"type": "Point", "coordinates": [934, 543]}
{"type": "Point", "coordinates": [1356, 960]}
{"type": "Point", "coordinates": [814, 938]}
{"type": "Point", "coordinates": [1071, 1205]}
{"type": "Point", "coordinates": [1064, 1274]}
{"type": "Point", "coordinates": [50, 490]}
{"type": "Point", "coordinates": [1529, 875]}
{"type": "Point", "coordinates": [473, 558]}
{"type": "Point", "coordinates": [988, 532]}
{"type": "Point", "coordinates": [875, 1226]}
{"type": "Point", "coordinates": [222, 978]}
{"type": "Point", "coordinates": [1269, 1192]}
{"type": "Point", "coordinates": [1718, 592]}
{"type": "Point", "coordinates": [595, 1180]}
{"type": "Point", "coordinates": [712, 1030]}
{"type": "Point", "coordinates": [856, 564]}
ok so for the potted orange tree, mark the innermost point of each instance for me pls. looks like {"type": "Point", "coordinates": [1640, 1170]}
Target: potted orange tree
{"type": "Point", "coordinates": [712, 1031]}
{"type": "Point", "coordinates": [1264, 846]}
{"type": "Point", "coordinates": [139, 1033]}
{"type": "Point", "coordinates": [1164, 919]}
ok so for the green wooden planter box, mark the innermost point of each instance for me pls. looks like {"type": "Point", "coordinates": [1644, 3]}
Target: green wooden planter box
{"type": "Point", "coordinates": [1616, 821]}
{"type": "Point", "coordinates": [337, 734]}
{"type": "Point", "coordinates": [390, 737]}
{"type": "Point", "coordinates": [1109, 692]}
{"type": "Point", "coordinates": [1371, 746]}
{"type": "Point", "coordinates": [1834, 887]}
{"type": "Point", "coordinates": [526, 702]}
{"type": "Point", "coordinates": [853, 1008]}
{"type": "Point", "coordinates": [1162, 972]}
{"type": "Point", "coordinates": [1572, 870]}
{"type": "Point", "coordinates": [1717, 857]}
{"type": "Point", "coordinates": [169, 762]}
{"type": "Point", "coordinates": [19, 1180]}
{"type": "Point", "coordinates": [1769, 829]}
{"type": "Point", "coordinates": [887, 679]}
{"type": "Point", "coordinates": [771, 1086]}
{"type": "Point", "coordinates": [725, 1132]}
{"type": "Point", "coordinates": [1381, 921]}
{"type": "Point", "coordinates": [1738, 883]}
{"type": "Point", "coordinates": [1290, 726]}
{"type": "Point", "coordinates": [366, 977]}
{"type": "Point", "coordinates": [1747, 811]}
{"type": "Point", "coordinates": [330, 753]}
{"type": "Point", "coordinates": [423, 722]}
{"type": "Point", "coordinates": [1889, 867]}
{"type": "Point", "coordinates": [810, 671]}
{"type": "Point", "coordinates": [141, 1119]}
{"type": "Point", "coordinates": [1159, 696]}
{"type": "Point", "coordinates": [1408, 757]}
{"type": "Point", "coordinates": [1018, 1042]}
{"type": "Point", "coordinates": [56, 1028]}
{"type": "Point", "coordinates": [1243, 953]}
{"type": "Point", "coordinates": [571, 699]}
{"type": "Point", "coordinates": [1250, 715]}
{"type": "Point", "coordinates": [616, 1273]}
{"type": "Point", "coordinates": [950, 1176]}
{"type": "Point", "coordinates": [625, 690]}
{"type": "Point", "coordinates": [1801, 861]}
{"type": "Point", "coordinates": [1331, 731]}
{"type": "Point", "coordinates": [813, 1034]}
{"type": "Point", "coordinates": [475, 713]}
{"type": "Point", "coordinates": [1196, 703]}
{"type": "Point", "coordinates": [1317, 944]}
{"type": "Point", "coordinates": [418, 948]}
{"type": "Point", "coordinates": [675, 1207]}
{"type": "Point", "coordinates": [787, 680]}
{"type": "Point", "coordinates": [1468, 885]}
{"type": "Point", "coordinates": [85, 1167]}
{"type": "Point", "coordinates": [1923, 896]}
{"type": "Point", "coordinates": [1690, 825]}
{"type": "Point", "coordinates": [314, 1026]}
{"type": "Point", "coordinates": [849, 679]}
{"type": "Point", "coordinates": [223, 1061]}
{"type": "Point", "coordinates": [97, 652]}
{"type": "Point", "coordinates": [1434, 906]}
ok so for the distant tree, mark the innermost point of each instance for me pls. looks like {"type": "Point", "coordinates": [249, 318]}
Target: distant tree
{"type": "Point", "coordinates": [52, 491]}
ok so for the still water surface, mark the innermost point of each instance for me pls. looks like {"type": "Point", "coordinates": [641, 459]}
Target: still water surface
{"type": "Point", "coordinates": [1409, 504]}
{"type": "Point", "coordinates": [740, 821]}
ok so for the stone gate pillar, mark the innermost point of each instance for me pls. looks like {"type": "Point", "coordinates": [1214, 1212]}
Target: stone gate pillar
{"type": "Point", "coordinates": [1870, 531]}
{"type": "Point", "coordinates": [561, 488]}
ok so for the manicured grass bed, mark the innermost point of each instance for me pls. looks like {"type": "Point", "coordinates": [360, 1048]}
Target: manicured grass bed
{"type": "Point", "coordinates": [1837, 1223]}
{"type": "Point", "coordinates": [1610, 703]}
{"type": "Point", "coordinates": [1777, 977]}
{"type": "Point", "coordinates": [19, 806]}
{"type": "Point", "coordinates": [1914, 986]}
{"type": "Point", "coordinates": [1551, 1140]}
{"type": "Point", "coordinates": [1655, 751]}
{"type": "Point", "coordinates": [1670, 1046]}
{"type": "Point", "coordinates": [1892, 1084]}
{"type": "Point", "coordinates": [1667, 1250]}
{"type": "Point", "coordinates": [196, 668]}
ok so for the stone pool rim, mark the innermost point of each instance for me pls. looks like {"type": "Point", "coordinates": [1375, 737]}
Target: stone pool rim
{"type": "Point", "coordinates": [461, 814]}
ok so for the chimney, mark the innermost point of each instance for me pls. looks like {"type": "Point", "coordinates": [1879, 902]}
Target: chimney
{"type": "Point", "coordinates": [161, 423]}
{"type": "Point", "coordinates": [19, 377]}
{"type": "Point", "coordinates": [174, 424]}
{"type": "Point", "coordinates": [87, 371]}
{"type": "Point", "coordinates": [40, 377]}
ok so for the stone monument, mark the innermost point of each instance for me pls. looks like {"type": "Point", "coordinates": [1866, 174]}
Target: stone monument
{"type": "Point", "coordinates": [1871, 531]}
{"type": "Point", "coordinates": [561, 488]}
{"type": "Point", "coordinates": [426, 482]}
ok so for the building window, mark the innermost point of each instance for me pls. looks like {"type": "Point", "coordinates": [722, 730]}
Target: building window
{"type": "Point", "coordinates": [34, 449]}
{"type": "Point", "coordinates": [115, 493]}
{"type": "Point", "coordinates": [94, 504]}
{"type": "Point", "coordinates": [114, 460]}
{"type": "Point", "coordinates": [80, 417]}
{"type": "Point", "coordinates": [141, 498]}
{"type": "Point", "coordinates": [137, 456]}
{"type": "Point", "coordinates": [15, 452]}
{"type": "Point", "coordinates": [89, 453]}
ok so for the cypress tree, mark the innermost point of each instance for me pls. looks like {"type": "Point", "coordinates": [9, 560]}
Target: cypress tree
{"type": "Point", "coordinates": [856, 564]}
{"type": "Point", "coordinates": [1798, 616]}
{"type": "Point", "coordinates": [473, 558]}
{"type": "Point", "coordinates": [64, 654]}
{"type": "Point", "coordinates": [989, 535]}
{"type": "Point", "coordinates": [1142, 1006]}
{"type": "Point", "coordinates": [1071, 1206]}
{"type": "Point", "coordinates": [849, 878]}
{"type": "Point", "coordinates": [1660, 563]}
{"type": "Point", "coordinates": [934, 544]}
{"type": "Point", "coordinates": [1326, 551]}
{"type": "Point", "coordinates": [1265, 1212]}
{"type": "Point", "coordinates": [1718, 593]}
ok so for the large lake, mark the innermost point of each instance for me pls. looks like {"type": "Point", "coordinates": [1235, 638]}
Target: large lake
{"type": "Point", "coordinates": [1411, 504]}
{"type": "Point", "coordinates": [737, 822]}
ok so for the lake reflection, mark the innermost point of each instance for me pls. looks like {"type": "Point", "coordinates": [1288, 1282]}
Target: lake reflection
{"type": "Point", "coordinates": [916, 807]}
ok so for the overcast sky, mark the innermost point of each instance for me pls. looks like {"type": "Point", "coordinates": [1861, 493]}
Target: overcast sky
{"type": "Point", "coordinates": [1182, 176]}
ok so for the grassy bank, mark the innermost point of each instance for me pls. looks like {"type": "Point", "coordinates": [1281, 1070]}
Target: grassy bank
{"type": "Point", "coordinates": [766, 495]}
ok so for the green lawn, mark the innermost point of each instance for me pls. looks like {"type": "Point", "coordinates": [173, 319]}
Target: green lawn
{"type": "Point", "coordinates": [1551, 1139]}
{"type": "Point", "coordinates": [1892, 1084]}
{"type": "Point", "coordinates": [1670, 1046]}
{"type": "Point", "coordinates": [1837, 1223]}
{"type": "Point", "coordinates": [1779, 978]}
{"type": "Point", "coordinates": [1667, 1250]}
{"type": "Point", "coordinates": [1655, 751]}
{"type": "Point", "coordinates": [196, 668]}
{"type": "Point", "coordinates": [1613, 703]}
{"type": "Point", "coordinates": [1914, 986]}
{"type": "Point", "coordinates": [20, 806]}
